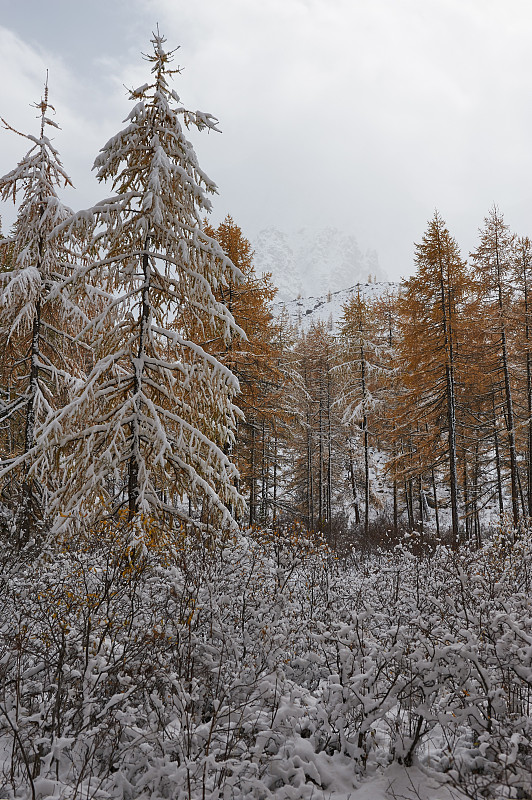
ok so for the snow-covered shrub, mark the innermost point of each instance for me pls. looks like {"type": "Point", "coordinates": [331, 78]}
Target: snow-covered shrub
{"type": "Point", "coordinates": [256, 665]}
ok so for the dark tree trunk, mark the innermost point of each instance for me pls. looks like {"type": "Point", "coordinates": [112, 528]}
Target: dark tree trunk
{"type": "Point", "coordinates": [134, 461]}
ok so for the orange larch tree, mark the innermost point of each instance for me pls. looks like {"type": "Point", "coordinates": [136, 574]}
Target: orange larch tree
{"type": "Point", "coordinates": [256, 363]}
{"type": "Point", "coordinates": [431, 335]}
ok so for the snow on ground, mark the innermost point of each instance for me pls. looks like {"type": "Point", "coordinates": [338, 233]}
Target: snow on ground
{"type": "Point", "coordinates": [401, 783]}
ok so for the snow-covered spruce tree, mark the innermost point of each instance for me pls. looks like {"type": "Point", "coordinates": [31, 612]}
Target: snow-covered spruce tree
{"type": "Point", "coordinates": [150, 428]}
{"type": "Point", "coordinates": [363, 372]}
{"type": "Point", "coordinates": [37, 358]}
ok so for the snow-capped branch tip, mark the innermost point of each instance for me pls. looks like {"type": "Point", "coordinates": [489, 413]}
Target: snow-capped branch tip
{"type": "Point", "coordinates": [43, 107]}
{"type": "Point", "coordinates": [161, 58]}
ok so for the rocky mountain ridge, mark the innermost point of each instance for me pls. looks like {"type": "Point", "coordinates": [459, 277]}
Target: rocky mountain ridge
{"type": "Point", "coordinates": [313, 261]}
{"type": "Point", "coordinates": [303, 312]}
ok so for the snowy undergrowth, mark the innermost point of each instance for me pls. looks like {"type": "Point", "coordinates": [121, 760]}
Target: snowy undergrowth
{"type": "Point", "coordinates": [259, 666]}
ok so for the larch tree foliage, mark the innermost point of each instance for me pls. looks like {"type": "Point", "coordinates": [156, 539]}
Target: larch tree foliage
{"type": "Point", "coordinates": [150, 426]}
{"type": "Point", "coordinates": [249, 301]}
{"type": "Point", "coordinates": [493, 262]}
{"type": "Point", "coordinates": [431, 330]}
{"type": "Point", "coordinates": [254, 361]}
{"type": "Point", "coordinates": [37, 355]}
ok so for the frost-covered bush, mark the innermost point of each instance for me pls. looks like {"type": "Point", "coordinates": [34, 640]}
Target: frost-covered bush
{"type": "Point", "coordinates": [256, 665]}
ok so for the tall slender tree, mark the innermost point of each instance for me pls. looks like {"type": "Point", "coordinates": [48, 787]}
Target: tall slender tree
{"type": "Point", "coordinates": [255, 362]}
{"type": "Point", "coordinates": [385, 309]}
{"type": "Point", "coordinates": [523, 343]}
{"type": "Point", "coordinates": [493, 262]}
{"type": "Point", "coordinates": [362, 364]}
{"type": "Point", "coordinates": [37, 361]}
{"type": "Point", "coordinates": [432, 330]}
{"type": "Point", "coordinates": [151, 424]}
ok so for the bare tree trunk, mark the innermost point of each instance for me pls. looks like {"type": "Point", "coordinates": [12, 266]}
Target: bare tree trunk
{"type": "Point", "coordinates": [507, 390]}
{"type": "Point", "coordinates": [366, 442]}
{"type": "Point", "coordinates": [329, 455]}
{"type": "Point", "coordinates": [529, 408]}
{"type": "Point", "coordinates": [264, 474]}
{"type": "Point", "coordinates": [395, 508]}
{"type": "Point", "coordinates": [511, 433]}
{"type": "Point", "coordinates": [435, 498]}
{"type": "Point", "coordinates": [476, 516]}
{"type": "Point", "coordinates": [409, 506]}
{"type": "Point", "coordinates": [420, 503]}
{"type": "Point", "coordinates": [29, 501]}
{"type": "Point", "coordinates": [525, 265]}
{"type": "Point", "coordinates": [451, 415]}
{"type": "Point", "coordinates": [275, 455]}
{"type": "Point", "coordinates": [310, 489]}
{"type": "Point", "coordinates": [467, 509]}
{"type": "Point", "coordinates": [320, 462]}
{"type": "Point", "coordinates": [497, 458]}
{"type": "Point", "coordinates": [34, 379]}
{"type": "Point", "coordinates": [353, 485]}
{"type": "Point", "coordinates": [366, 477]}
{"type": "Point", "coordinates": [134, 461]}
{"type": "Point", "coordinates": [252, 477]}
{"type": "Point", "coordinates": [447, 317]}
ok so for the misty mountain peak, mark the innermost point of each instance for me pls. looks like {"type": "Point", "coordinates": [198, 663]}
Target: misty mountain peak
{"type": "Point", "coordinates": [313, 261]}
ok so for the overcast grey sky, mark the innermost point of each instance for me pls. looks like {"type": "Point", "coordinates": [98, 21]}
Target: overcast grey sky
{"type": "Point", "coordinates": [361, 114]}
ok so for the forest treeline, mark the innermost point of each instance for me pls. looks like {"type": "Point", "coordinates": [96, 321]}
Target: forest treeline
{"type": "Point", "coordinates": [417, 409]}
{"type": "Point", "coordinates": [144, 377]}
